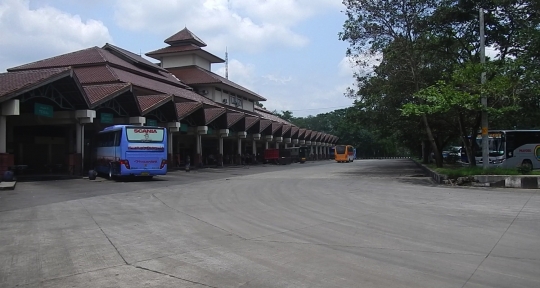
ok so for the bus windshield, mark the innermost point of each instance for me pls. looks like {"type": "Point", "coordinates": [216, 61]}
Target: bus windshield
{"type": "Point", "coordinates": [144, 135]}
{"type": "Point", "coordinates": [495, 142]}
{"type": "Point", "coordinates": [340, 149]}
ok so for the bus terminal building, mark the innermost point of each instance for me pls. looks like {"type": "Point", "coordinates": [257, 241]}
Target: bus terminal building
{"type": "Point", "coordinates": [51, 110]}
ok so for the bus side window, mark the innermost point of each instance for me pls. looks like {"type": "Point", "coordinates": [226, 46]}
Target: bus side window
{"type": "Point", "coordinates": [117, 138]}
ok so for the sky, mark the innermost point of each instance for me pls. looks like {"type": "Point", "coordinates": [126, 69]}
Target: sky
{"type": "Point", "coordinates": [287, 51]}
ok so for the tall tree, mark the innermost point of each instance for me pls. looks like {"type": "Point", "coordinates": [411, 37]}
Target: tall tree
{"type": "Point", "coordinates": [396, 29]}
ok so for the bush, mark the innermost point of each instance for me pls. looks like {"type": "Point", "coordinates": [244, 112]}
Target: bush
{"type": "Point", "coordinates": [524, 169]}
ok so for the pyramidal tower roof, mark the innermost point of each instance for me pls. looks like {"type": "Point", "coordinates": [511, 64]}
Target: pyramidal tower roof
{"type": "Point", "coordinates": [185, 37]}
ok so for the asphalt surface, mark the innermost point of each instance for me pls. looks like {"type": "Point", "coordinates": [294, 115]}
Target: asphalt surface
{"type": "Point", "coordinates": [371, 223]}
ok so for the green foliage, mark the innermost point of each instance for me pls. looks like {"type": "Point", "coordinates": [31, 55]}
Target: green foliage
{"type": "Point", "coordinates": [285, 115]}
{"type": "Point", "coordinates": [462, 92]}
{"type": "Point", "coordinates": [524, 169]}
{"type": "Point", "coordinates": [428, 71]}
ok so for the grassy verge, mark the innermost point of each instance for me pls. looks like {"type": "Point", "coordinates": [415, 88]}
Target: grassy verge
{"type": "Point", "coordinates": [456, 170]}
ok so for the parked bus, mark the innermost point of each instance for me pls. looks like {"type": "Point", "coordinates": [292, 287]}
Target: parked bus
{"type": "Point", "coordinates": [511, 148]}
{"type": "Point", "coordinates": [124, 150]}
{"type": "Point", "coordinates": [344, 153]}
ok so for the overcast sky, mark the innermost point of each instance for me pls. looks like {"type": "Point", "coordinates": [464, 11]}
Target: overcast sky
{"type": "Point", "coordinates": [285, 50]}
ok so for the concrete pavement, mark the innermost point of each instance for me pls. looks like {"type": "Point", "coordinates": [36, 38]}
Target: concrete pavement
{"type": "Point", "coordinates": [370, 223]}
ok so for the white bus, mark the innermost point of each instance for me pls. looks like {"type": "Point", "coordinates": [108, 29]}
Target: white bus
{"type": "Point", "coordinates": [511, 148]}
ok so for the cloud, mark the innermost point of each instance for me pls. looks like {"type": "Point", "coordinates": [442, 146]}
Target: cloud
{"type": "Point", "coordinates": [243, 25]}
{"type": "Point", "coordinates": [277, 79]}
{"type": "Point", "coordinates": [240, 73]}
{"type": "Point", "coordinates": [23, 30]}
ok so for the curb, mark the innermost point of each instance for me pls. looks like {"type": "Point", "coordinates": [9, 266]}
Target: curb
{"type": "Point", "coordinates": [8, 185]}
{"type": "Point", "coordinates": [504, 181]}
{"type": "Point", "coordinates": [438, 178]}
{"type": "Point", "coordinates": [509, 181]}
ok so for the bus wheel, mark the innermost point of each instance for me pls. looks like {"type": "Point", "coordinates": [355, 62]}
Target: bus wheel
{"type": "Point", "coordinates": [527, 163]}
{"type": "Point", "coordinates": [111, 175]}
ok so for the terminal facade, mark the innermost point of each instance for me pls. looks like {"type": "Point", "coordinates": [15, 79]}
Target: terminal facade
{"type": "Point", "coordinates": [52, 109]}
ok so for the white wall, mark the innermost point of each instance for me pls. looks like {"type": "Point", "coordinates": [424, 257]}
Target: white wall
{"type": "Point", "coordinates": [178, 61]}
{"type": "Point", "coordinates": [185, 60]}
{"type": "Point", "coordinates": [203, 63]}
{"type": "Point", "coordinates": [248, 105]}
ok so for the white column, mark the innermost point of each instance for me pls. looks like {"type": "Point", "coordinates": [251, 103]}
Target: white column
{"type": "Point", "coordinates": [3, 134]}
{"type": "Point", "coordinates": [266, 145]}
{"type": "Point", "coordinates": [254, 147]}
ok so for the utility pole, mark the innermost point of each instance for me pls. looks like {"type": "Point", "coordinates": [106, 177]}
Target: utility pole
{"type": "Point", "coordinates": [485, 136]}
{"type": "Point", "coordinates": [226, 63]}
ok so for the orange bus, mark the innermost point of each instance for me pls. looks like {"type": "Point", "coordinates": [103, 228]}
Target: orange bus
{"type": "Point", "coordinates": [344, 153]}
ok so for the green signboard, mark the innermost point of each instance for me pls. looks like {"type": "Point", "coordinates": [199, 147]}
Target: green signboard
{"type": "Point", "coordinates": [210, 131]}
{"type": "Point", "coordinates": [150, 122]}
{"type": "Point", "coordinates": [43, 110]}
{"type": "Point", "coordinates": [183, 127]}
{"type": "Point", "coordinates": [106, 118]}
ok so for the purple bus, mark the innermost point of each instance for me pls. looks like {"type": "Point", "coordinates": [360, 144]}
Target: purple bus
{"type": "Point", "coordinates": [124, 150]}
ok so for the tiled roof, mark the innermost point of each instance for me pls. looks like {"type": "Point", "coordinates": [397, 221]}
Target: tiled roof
{"type": "Point", "coordinates": [250, 121]}
{"type": "Point", "coordinates": [95, 74]}
{"type": "Point", "coordinates": [238, 110]}
{"type": "Point", "coordinates": [307, 136]}
{"type": "Point", "coordinates": [99, 93]}
{"type": "Point", "coordinates": [13, 82]}
{"type": "Point", "coordinates": [294, 132]}
{"type": "Point", "coordinates": [194, 75]}
{"type": "Point", "coordinates": [133, 57]}
{"type": "Point", "coordinates": [318, 136]}
{"type": "Point", "coordinates": [164, 88]}
{"type": "Point", "coordinates": [211, 114]}
{"type": "Point", "coordinates": [264, 124]}
{"type": "Point", "coordinates": [276, 126]}
{"type": "Point", "coordinates": [301, 133]}
{"type": "Point", "coordinates": [184, 109]}
{"type": "Point", "coordinates": [233, 118]}
{"type": "Point", "coordinates": [286, 128]}
{"type": "Point", "coordinates": [148, 103]}
{"type": "Point", "coordinates": [185, 36]}
{"type": "Point", "coordinates": [160, 75]}
{"type": "Point", "coordinates": [173, 49]}
{"type": "Point", "coordinates": [268, 115]}
{"type": "Point", "coordinates": [96, 56]}
{"type": "Point", "coordinates": [86, 56]}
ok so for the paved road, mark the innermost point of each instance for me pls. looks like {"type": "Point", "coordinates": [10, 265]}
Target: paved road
{"type": "Point", "coordinates": [362, 224]}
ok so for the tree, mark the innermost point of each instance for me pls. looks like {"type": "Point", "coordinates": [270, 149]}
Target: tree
{"type": "Point", "coordinates": [396, 29]}
{"type": "Point", "coordinates": [285, 115]}
{"type": "Point", "coordinates": [459, 99]}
